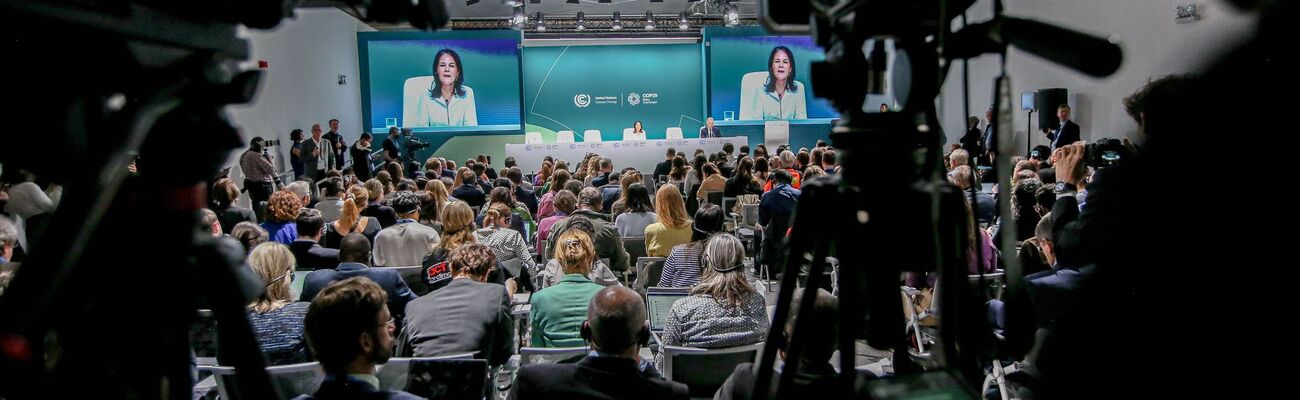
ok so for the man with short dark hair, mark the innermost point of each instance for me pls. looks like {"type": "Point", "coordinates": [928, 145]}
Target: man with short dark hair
{"type": "Point", "coordinates": [468, 315]}
{"type": "Point", "coordinates": [816, 376]}
{"type": "Point", "coordinates": [663, 168]}
{"type": "Point", "coordinates": [354, 254]}
{"type": "Point", "coordinates": [606, 168]}
{"type": "Point", "coordinates": [608, 243]}
{"type": "Point", "coordinates": [775, 210]}
{"type": "Point", "coordinates": [481, 177]}
{"type": "Point", "coordinates": [523, 189]}
{"type": "Point", "coordinates": [331, 202]}
{"type": "Point", "coordinates": [361, 164]}
{"type": "Point", "coordinates": [1065, 133]}
{"type": "Point", "coordinates": [615, 329]}
{"type": "Point", "coordinates": [350, 331]}
{"type": "Point", "coordinates": [336, 141]}
{"type": "Point", "coordinates": [510, 162]}
{"type": "Point", "coordinates": [829, 161]}
{"type": "Point", "coordinates": [259, 174]}
{"type": "Point", "coordinates": [307, 250]}
{"type": "Point", "coordinates": [406, 242]}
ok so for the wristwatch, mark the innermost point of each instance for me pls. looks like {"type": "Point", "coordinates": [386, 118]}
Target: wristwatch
{"type": "Point", "coordinates": [1063, 187]}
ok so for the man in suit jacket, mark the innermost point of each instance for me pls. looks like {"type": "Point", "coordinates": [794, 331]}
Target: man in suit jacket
{"type": "Point", "coordinates": [665, 167]}
{"type": "Point", "coordinates": [307, 250]}
{"type": "Point", "coordinates": [354, 254]}
{"type": "Point", "coordinates": [336, 143]}
{"type": "Point", "coordinates": [1065, 133]}
{"type": "Point", "coordinates": [466, 316]}
{"type": "Point", "coordinates": [317, 155]}
{"type": "Point", "coordinates": [708, 130]}
{"type": "Point", "coordinates": [616, 329]}
{"type": "Point", "coordinates": [361, 157]}
{"type": "Point", "coordinates": [350, 331]}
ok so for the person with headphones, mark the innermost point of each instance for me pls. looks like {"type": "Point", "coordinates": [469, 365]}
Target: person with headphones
{"type": "Point", "coordinates": [616, 329]}
{"type": "Point", "coordinates": [723, 310]}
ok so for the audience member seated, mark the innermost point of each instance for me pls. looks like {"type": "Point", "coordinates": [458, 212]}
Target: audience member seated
{"type": "Point", "coordinates": [981, 255]}
{"type": "Point", "coordinates": [681, 172]}
{"type": "Point", "coordinates": [468, 189]}
{"type": "Point", "coordinates": [276, 318]}
{"type": "Point", "coordinates": [225, 194]}
{"type": "Point", "coordinates": [467, 316]}
{"type": "Point", "coordinates": [523, 190]}
{"type": "Point", "coordinates": [281, 211]}
{"type": "Point", "coordinates": [816, 376]}
{"type": "Point", "coordinates": [665, 167]}
{"type": "Point", "coordinates": [249, 234]}
{"type": "Point", "coordinates": [331, 202]}
{"type": "Point", "coordinates": [558, 311]}
{"type": "Point", "coordinates": [637, 214]}
{"type": "Point", "coordinates": [351, 219]}
{"type": "Point", "coordinates": [614, 190]}
{"type": "Point", "coordinates": [350, 331]}
{"type": "Point", "coordinates": [616, 330]}
{"type": "Point", "coordinates": [354, 254]}
{"type": "Point", "coordinates": [543, 174]}
{"type": "Point", "coordinates": [600, 273]}
{"type": "Point", "coordinates": [565, 203]}
{"type": "Point", "coordinates": [607, 242]}
{"type": "Point", "coordinates": [683, 266]}
{"type": "Point", "coordinates": [713, 182]}
{"type": "Point", "coordinates": [618, 206]}
{"type": "Point", "coordinates": [209, 222]}
{"type": "Point", "coordinates": [376, 208]}
{"type": "Point", "coordinates": [306, 250]}
{"type": "Point", "coordinates": [774, 212]}
{"type": "Point", "coordinates": [673, 228]}
{"type": "Point", "coordinates": [546, 207]}
{"type": "Point", "coordinates": [520, 219]}
{"type": "Point", "coordinates": [1023, 214]}
{"type": "Point", "coordinates": [606, 170]}
{"type": "Point", "coordinates": [986, 207]}
{"type": "Point", "coordinates": [724, 310]}
{"type": "Point", "coordinates": [506, 243]}
{"type": "Point", "coordinates": [406, 243]}
{"type": "Point", "coordinates": [8, 239]}
{"type": "Point", "coordinates": [303, 190]}
{"type": "Point", "coordinates": [785, 163]}
{"type": "Point", "coordinates": [829, 162]}
{"type": "Point", "coordinates": [742, 181]}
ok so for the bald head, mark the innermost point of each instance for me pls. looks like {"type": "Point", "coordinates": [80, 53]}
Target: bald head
{"type": "Point", "coordinates": [354, 248]}
{"type": "Point", "coordinates": [616, 317]}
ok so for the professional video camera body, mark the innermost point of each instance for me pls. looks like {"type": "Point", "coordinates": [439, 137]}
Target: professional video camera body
{"type": "Point", "coordinates": [909, 220]}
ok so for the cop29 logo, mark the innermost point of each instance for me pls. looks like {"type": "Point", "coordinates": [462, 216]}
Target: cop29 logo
{"type": "Point", "coordinates": [633, 99]}
{"type": "Point", "coordinates": [582, 100]}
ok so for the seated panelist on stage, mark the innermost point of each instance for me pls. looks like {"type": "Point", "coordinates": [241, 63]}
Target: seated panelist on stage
{"type": "Point", "coordinates": [708, 130]}
{"type": "Point", "coordinates": [448, 102]}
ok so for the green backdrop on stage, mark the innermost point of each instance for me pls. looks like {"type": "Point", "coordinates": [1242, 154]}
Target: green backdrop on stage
{"type": "Point", "coordinates": [607, 88]}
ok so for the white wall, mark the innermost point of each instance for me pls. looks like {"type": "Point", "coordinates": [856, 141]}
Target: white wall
{"type": "Point", "coordinates": [306, 55]}
{"type": "Point", "coordinates": [1154, 46]}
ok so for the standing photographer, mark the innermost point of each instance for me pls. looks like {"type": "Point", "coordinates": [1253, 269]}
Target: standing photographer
{"type": "Point", "coordinates": [259, 174]}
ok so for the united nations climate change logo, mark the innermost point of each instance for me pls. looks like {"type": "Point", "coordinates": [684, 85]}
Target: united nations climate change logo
{"type": "Point", "coordinates": [633, 98]}
{"type": "Point", "coordinates": [582, 100]}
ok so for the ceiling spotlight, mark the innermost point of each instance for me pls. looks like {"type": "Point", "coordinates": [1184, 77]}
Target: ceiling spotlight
{"type": "Point", "coordinates": [513, 3]}
{"type": "Point", "coordinates": [649, 21]}
{"type": "Point", "coordinates": [471, 2]}
{"type": "Point", "coordinates": [541, 23]}
{"type": "Point", "coordinates": [731, 16]}
{"type": "Point", "coordinates": [580, 23]}
{"type": "Point", "coordinates": [683, 22]}
{"type": "Point", "coordinates": [572, 1]}
{"type": "Point", "coordinates": [518, 20]}
{"type": "Point", "coordinates": [618, 22]}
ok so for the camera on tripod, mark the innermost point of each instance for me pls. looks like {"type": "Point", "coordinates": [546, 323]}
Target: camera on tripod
{"type": "Point", "coordinates": [412, 143]}
{"type": "Point", "coordinates": [1105, 153]}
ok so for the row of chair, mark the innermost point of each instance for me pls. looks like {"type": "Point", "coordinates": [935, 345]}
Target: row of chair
{"type": "Point", "coordinates": [702, 370]}
{"type": "Point", "coordinates": [459, 377]}
{"type": "Point", "coordinates": [594, 136]}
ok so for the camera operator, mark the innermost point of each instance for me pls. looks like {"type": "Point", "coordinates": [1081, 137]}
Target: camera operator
{"type": "Point", "coordinates": [259, 173]}
{"type": "Point", "coordinates": [1126, 207]}
{"type": "Point", "coordinates": [393, 146]}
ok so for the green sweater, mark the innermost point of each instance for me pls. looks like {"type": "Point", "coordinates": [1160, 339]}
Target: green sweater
{"type": "Point", "coordinates": [558, 312]}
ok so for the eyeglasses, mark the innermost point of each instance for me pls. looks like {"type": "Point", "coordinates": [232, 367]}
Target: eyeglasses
{"type": "Point", "coordinates": [391, 322]}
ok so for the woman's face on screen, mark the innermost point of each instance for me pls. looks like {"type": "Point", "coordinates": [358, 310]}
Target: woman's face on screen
{"type": "Point", "coordinates": [447, 70]}
{"type": "Point", "coordinates": [636, 126]}
{"type": "Point", "coordinates": [781, 65]}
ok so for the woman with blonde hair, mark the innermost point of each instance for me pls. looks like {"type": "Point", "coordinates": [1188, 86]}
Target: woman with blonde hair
{"type": "Point", "coordinates": [377, 191]}
{"type": "Point", "coordinates": [457, 230]}
{"type": "Point", "coordinates": [724, 310]}
{"type": "Point", "coordinates": [276, 318]}
{"type": "Point", "coordinates": [559, 311]}
{"type": "Point", "coordinates": [432, 202]}
{"type": "Point", "coordinates": [281, 211]}
{"type": "Point", "coordinates": [386, 178]}
{"type": "Point", "coordinates": [673, 228]}
{"type": "Point", "coordinates": [351, 220]}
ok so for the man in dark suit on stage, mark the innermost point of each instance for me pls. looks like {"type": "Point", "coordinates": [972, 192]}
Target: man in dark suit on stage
{"type": "Point", "coordinates": [1065, 133]}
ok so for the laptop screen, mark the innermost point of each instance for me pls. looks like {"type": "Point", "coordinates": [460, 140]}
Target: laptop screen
{"type": "Point", "coordinates": [657, 304]}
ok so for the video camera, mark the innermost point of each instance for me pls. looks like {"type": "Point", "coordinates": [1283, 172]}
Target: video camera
{"type": "Point", "coordinates": [1106, 152]}
{"type": "Point", "coordinates": [412, 143]}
